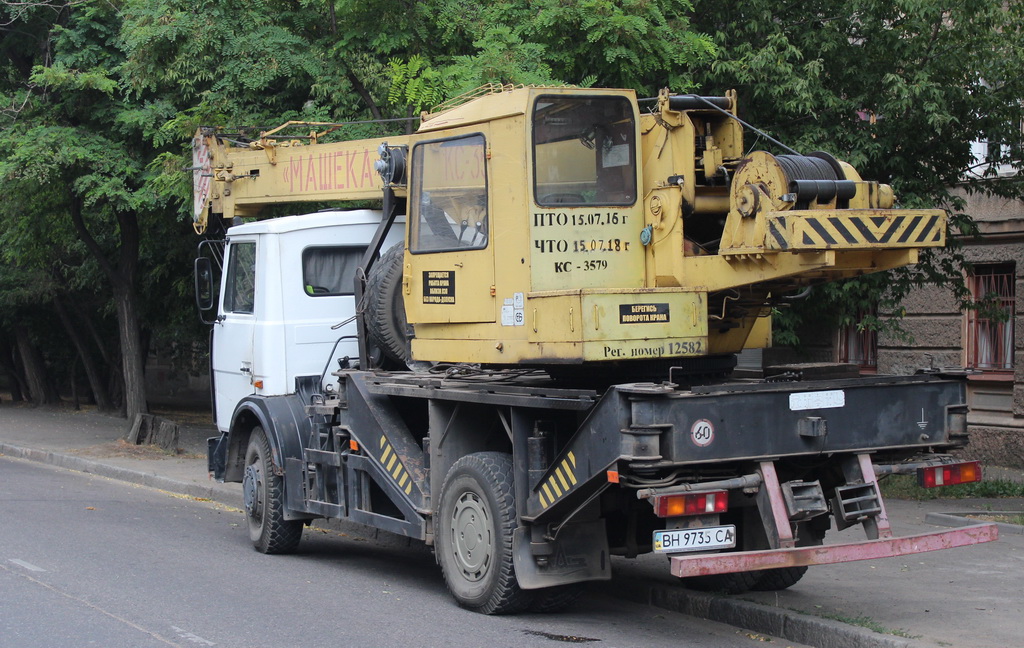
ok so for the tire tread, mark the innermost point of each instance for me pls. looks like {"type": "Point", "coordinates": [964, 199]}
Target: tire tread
{"type": "Point", "coordinates": [385, 311]}
{"type": "Point", "coordinates": [506, 597]}
{"type": "Point", "coordinates": [278, 536]}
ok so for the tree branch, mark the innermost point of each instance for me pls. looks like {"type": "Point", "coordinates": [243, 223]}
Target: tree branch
{"type": "Point", "coordinates": [75, 209]}
{"type": "Point", "coordinates": [361, 90]}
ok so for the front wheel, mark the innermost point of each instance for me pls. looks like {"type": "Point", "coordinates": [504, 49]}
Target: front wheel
{"type": "Point", "coordinates": [263, 492]}
{"type": "Point", "coordinates": [475, 525]}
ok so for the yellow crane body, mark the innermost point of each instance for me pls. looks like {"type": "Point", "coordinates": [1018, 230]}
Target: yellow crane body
{"type": "Point", "coordinates": [565, 226]}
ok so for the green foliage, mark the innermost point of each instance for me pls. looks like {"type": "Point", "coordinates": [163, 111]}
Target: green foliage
{"type": "Point", "coordinates": [898, 89]}
{"type": "Point", "coordinates": [629, 44]}
{"type": "Point", "coordinates": [59, 76]}
{"type": "Point", "coordinates": [416, 84]}
{"type": "Point", "coordinates": [905, 487]}
{"type": "Point", "coordinates": [640, 44]}
{"type": "Point", "coordinates": [232, 56]}
{"type": "Point", "coordinates": [103, 99]}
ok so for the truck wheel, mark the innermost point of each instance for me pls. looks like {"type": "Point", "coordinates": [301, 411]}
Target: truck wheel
{"type": "Point", "coordinates": [774, 580]}
{"type": "Point", "coordinates": [386, 322]}
{"type": "Point", "coordinates": [263, 492]}
{"type": "Point", "coordinates": [474, 528]}
{"type": "Point", "coordinates": [735, 583]}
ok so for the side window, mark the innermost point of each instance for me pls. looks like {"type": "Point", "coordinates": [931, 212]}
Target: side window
{"type": "Point", "coordinates": [330, 270]}
{"type": "Point", "coordinates": [449, 195]}
{"type": "Point", "coordinates": [240, 293]}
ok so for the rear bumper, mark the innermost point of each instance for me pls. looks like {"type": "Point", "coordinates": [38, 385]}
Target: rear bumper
{"type": "Point", "coordinates": [725, 563]}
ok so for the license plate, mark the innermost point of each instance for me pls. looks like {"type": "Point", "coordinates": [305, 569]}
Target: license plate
{"type": "Point", "coordinates": [702, 539]}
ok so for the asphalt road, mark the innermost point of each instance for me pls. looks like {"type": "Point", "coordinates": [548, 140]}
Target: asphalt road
{"type": "Point", "coordinates": [86, 561]}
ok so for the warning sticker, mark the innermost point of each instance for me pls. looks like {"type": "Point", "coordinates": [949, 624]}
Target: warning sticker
{"type": "Point", "coordinates": [643, 313]}
{"type": "Point", "coordinates": [439, 287]}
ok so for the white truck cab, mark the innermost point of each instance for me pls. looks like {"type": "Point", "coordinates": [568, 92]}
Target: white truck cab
{"type": "Point", "coordinates": [286, 282]}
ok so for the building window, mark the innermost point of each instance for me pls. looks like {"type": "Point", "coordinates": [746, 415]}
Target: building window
{"type": "Point", "coordinates": [859, 347]}
{"type": "Point", "coordinates": [989, 336]}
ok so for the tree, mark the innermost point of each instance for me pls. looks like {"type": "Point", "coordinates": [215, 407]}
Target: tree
{"type": "Point", "coordinates": [639, 44]}
{"type": "Point", "coordinates": [75, 156]}
{"type": "Point", "coordinates": [24, 362]}
{"type": "Point", "coordinates": [898, 89]}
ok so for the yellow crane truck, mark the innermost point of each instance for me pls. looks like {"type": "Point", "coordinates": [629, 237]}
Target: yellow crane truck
{"type": "Point", "coordinates": [524, 357]}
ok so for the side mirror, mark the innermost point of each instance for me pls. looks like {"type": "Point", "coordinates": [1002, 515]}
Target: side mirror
{"type": "Point", "coordinates": [204, 284]}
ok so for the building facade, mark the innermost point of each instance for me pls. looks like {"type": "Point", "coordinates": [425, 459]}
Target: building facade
{"type": "Point", "coordinates": [990, 342]}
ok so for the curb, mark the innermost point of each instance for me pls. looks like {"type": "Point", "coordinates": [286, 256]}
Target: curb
{"type": "Point", "coordinates": [960, 519]}
{"type": "Point", "coordinates": [101, 469]}
{"type": "Point", "coordinates": [777, 622]}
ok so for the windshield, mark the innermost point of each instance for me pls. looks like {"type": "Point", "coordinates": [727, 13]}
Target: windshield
{"type": "Point", "coordinates": [584, 151]}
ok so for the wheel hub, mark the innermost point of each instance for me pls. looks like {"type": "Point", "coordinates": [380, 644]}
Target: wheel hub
{"type": "Point", "coordinates": [250, 489]}
{"type": "Point", "coordinates": [472, 542]}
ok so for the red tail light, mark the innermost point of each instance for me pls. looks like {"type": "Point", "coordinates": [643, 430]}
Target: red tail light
{"type": "Point", "coordinates": [945, 475]}
{"type": "Point", "coordinates": [691, 504]}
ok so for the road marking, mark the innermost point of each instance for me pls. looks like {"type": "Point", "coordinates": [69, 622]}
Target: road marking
{"type": "Point", "coordinates": [27, 565]}
{"type": "Point", "coordinates": [192, 638]}
{"type": "Point", "coordinates": [87, 604]}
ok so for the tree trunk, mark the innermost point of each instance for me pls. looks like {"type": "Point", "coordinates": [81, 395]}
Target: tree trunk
{"type": "Point", "coordinates": [124, 281]}
{"type": "Point", "coordinates": [39, 388]}
{"type": "Point", "coordinates": [92, 372]}
{"type": "Point", "coordinates": [15, 381]}
{"type": "Point", "coordinates": [132, 360]}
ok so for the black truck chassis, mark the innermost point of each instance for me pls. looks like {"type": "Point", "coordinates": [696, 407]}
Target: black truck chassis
{"type": "Point", "coordinates": [577, 474]}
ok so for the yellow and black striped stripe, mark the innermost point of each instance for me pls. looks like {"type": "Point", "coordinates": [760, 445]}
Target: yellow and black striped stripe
{"type": "Point", "coordinates": [393, 466]}
{"type": "Point", "coordinates": [559, 482]}
{"type": "Point", "coordinates": [924, 228]}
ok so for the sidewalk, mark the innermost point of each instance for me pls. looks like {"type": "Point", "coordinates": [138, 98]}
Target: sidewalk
{"type": "Point", "coordinates": [970, 597]}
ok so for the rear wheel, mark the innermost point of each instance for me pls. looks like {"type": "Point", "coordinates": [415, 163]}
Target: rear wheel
{"type": "Point", "coordinates": [810, 534]}
{"type": "Point", "coordinates": [773, 580]}
{"type": "Point", "coordinates": [735, 583]}
{"type": "Point", "coordinates": [475, 525]}
{"type": "Point", "coordinates": [263, 492]}
{"type": "Point", "coordinates": [750, 533]}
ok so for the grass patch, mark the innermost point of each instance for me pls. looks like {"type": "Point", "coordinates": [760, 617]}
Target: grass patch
{"type": "Point", "coordinates": [866, 622]}
{"type": "Point", "coordinates": [1014, 518]}
{"type": "Point", "coordinates": [905, 487]}
{"type": "Point", "coordinates": [860, 621]}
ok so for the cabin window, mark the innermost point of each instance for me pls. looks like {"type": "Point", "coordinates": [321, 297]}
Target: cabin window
{"type": "Point", "coordinates": [240, 295]}
{"type": "Point", "coordinates": [584, 151]}
{"type": "Point", "coordinates": [449, 195]}
{"type": "Point", "coordinates": [330, 271]}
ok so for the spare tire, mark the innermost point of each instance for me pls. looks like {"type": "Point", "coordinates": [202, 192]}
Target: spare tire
{"type": "Point", "coordinates": [386, 323]}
